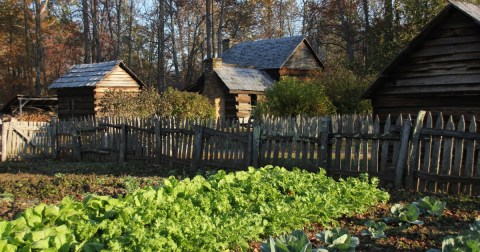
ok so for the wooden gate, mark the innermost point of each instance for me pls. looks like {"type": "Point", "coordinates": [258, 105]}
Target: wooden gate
{"type": "Point", "coordinates": [26, 140]}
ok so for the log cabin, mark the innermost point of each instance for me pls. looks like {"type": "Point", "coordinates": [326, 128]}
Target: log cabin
{"type": "Point", "coordinates": [81, 89]}
{"type": "Point", "coordinates": [439, 70]}
{"type": "Point", "coordinates": [236, 81]}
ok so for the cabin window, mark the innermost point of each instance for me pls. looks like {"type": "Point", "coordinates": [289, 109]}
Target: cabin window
{"type": "Point", "coordinates": [71, 105]}
{"type": "Point", "coordinates": [253, 100]}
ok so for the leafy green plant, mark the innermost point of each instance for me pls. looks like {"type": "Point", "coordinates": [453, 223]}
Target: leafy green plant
{"type": "Point", "coordinates": [6, 197]}
{"type": "Point", "coordinates": [468, 240]}
{"type": "Point", "coordinates": [375, 229]}
{"type": "Point", "coordinates": [225, 210]}
{"type": "Point", "coordinates": [297, 241]}
{"type": "Point", "coordinates": [406, 214]}
{"type": "Point", "coordinates": [338, 239]}
{"type": "Point", "coordinates": [430, 205]}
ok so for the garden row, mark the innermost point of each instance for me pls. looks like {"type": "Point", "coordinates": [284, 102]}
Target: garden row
{"type": "Point", "coordinates": [339, 239]}
{"type": "Point", "coordinates": [223, 211]}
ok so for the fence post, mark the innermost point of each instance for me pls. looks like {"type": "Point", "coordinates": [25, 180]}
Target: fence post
{"type": "Point", "coordinates": [323, 145]}
{"type": "Point", "coordinates": [254, 154]}
{"type": "Point", "coordinates": [123, 143]}
{"type": "Point", "coordinates": [158, 140]}
{"type": "Point", "coordinates": [53, 136]}
{"type": "Point", "coordinates": [403, 153]}
{"type": "Point", "coordinates": [76, 144]}
{"type": "Point", "coordinates": [5, 126]}
{"type": "Point", "coordinates": [415, 150]}
{"type": "Point", "coordinates": [197, 148]}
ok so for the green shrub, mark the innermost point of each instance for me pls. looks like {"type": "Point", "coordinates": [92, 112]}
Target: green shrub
{"type": "Point", "coordinates": [184, 104]}
{"type": "Point", "coordinates": [291, 97]}
{"type": "Point", "coordinates": [149, 102]}
{"type": "Point", "coordinates": [344, 88]}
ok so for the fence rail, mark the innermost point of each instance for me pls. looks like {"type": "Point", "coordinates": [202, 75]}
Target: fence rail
{"type": "Point", "coordinates": [422, 154]}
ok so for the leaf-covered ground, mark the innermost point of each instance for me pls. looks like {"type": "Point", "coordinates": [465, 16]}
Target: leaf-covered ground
{"type": "Point", "coordinates": [24, 185]}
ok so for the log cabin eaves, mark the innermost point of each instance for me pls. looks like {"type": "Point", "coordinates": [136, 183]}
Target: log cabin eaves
{"type": "Point", "coordinates": [384, 74]}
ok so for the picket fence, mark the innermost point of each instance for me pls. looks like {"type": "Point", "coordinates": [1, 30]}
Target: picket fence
{"type": "Point", "coordinates": [424, 154]}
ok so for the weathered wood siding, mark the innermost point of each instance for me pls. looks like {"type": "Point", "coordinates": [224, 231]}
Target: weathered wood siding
{"type": "Point", "coordinates": [118, 80]}
{"type": "Point", "coordinates": [302, 58]}
{"type": "Point", "coordinates": [75, 102]}
{"type": "Point", "coordinates": [441, 75]}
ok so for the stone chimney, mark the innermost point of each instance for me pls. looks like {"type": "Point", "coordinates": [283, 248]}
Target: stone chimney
{"type": "Point", "coordinates": [212, 88]}
{"type": "Point", "coordinates": [211, 64]}
{"type": "Point", "coordinates": [227, 44]}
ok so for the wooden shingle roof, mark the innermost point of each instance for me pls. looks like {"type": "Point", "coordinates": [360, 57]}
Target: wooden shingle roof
{"type": "Point", "coordinates": [265, 54]}
{"type": "Point", "coordinates": [244, 79]}
{"type": "Point", "coordinates": [88, 75]}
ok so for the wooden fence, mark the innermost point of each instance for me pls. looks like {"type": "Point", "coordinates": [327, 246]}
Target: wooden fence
{"type": "Point", "coordinates": [422, 154]}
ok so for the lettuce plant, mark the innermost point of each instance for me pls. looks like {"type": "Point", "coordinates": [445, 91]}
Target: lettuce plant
{"type": "Point", "coordinates": [406, 214]}
{"type": "Point", "coordinates": [430, 205]}
{"type": "Point", "coordinates": [466, 241]}
{"type": "Point", "coordinates": [338, 239]}
{"type": "Point", "coordinates": [225, 210]}
{"type": "Point", "coordinates": [374, 229]}
{"type": "Point", "coordinates": [297, 241]}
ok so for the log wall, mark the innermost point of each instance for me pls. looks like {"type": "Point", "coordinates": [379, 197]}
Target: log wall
{"type": "Point", "coordinates": [441, 75]}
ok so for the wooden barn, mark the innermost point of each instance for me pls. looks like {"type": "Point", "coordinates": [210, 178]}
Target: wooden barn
{"type": "Point", "coordinates": [81, 89]}
{"type": "Point", "coordinates": [438, 71]}
{"type": "Point", "coordinates": [235, 82]}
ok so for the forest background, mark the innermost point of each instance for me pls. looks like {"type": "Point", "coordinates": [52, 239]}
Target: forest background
{"type": "Point", "coordinates": [165, 41]}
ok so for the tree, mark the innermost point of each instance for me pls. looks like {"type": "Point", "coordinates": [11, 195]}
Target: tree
{"type": "Point", "coordinates": [86, 32]}
{"type": "Point", "coordinates": [40, 8]}
{"type": "Point", "coordinates": [161, 46]}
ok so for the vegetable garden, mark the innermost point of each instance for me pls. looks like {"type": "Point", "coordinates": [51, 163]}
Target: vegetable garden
{"type": "Point", "coordinates": [219, 211]}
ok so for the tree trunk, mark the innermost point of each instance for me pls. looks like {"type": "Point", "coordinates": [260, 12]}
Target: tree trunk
{"type": "Point", "coordinates": [86, 32]}
{"type": "Point", "coordinates": [220, 28]}
{"type": "Point", "coordinates": [161, 46]}
{"type": "Point", "coordinates": [388, 7]}
{"type": "Point", "coordinates": [366, 46]}
{"type": "Point", "coordinates": [174, 46]}
{"type": "Point", "coordinates": [191, 57]}
{"type": "Point", "coordinates": [95, 35]}
{"type": "Point", "coordinates": [39, 68]}
{"type": "Point", "coordinates": [118, 51]}
{"type": "Point", "coordinates": [110, 25]}
{"type": "Point", "coordinates": [209, 28]}
{"type": "Point", "coordinates": [347, 33]}
{"type": "Point", "coordinates": [26, 18]}
{"type": "Point", "coordinates": [130, 35]}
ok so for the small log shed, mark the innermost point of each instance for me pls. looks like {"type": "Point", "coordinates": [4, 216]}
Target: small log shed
{"type": "Point", "coordinates": [81, 89]}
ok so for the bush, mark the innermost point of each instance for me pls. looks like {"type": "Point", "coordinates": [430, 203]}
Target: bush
{"type": "Point", "coordinates": [184, 104]}
{"type": "Point", "coordinates": [291, 97]}
{"type": "Point", "coordinates": [149, 102]}
{"type": "Point", "coordinates": [344, 88]}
